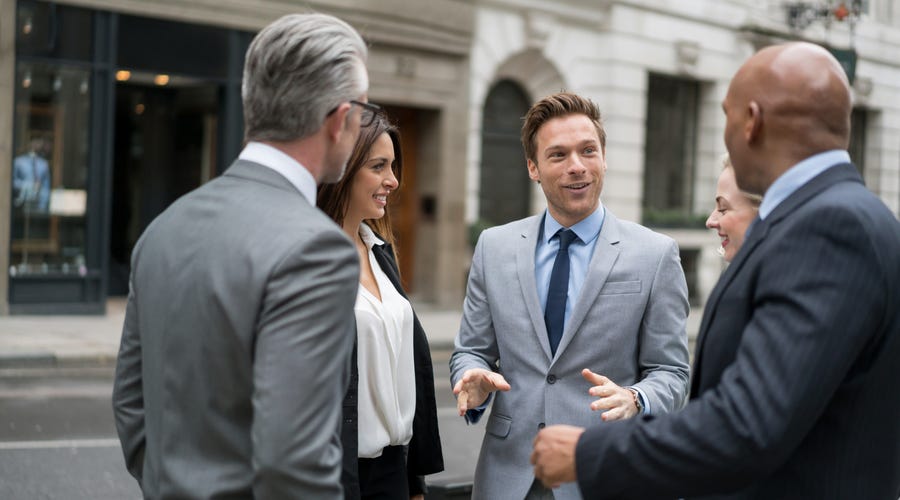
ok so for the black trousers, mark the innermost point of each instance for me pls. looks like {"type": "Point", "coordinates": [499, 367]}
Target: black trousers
{"type": "Point", "coordinates": [384, 478]}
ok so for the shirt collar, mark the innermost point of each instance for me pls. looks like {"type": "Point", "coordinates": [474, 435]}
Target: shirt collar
{"type": "Point", "coordinates": [798, 175]}
{"type": "Point", "coordinates": [586, 229]}
{"type": "Point", "coordinates": [368, 236]}
{"type": "Point", "coordinates": [280, 162]}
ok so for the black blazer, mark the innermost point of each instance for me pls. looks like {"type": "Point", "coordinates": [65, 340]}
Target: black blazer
{"type": "Point", "coordinates": [424, 451]}
{"type": "Point", "coordinates": [794, 391]}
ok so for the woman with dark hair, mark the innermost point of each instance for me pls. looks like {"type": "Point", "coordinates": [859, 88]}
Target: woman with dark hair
{"type": "Point", "coordinates": [390, 431]}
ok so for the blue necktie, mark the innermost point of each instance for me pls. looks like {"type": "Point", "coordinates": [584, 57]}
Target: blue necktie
{"type": "Point", "coordinates": [555, 312]}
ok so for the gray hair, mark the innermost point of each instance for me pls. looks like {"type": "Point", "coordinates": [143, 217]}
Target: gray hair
{"type": "Point", "coordinates": [296, 71]}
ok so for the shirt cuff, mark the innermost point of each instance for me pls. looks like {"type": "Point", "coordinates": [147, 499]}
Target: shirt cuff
{"type": "Point", "coordinates": [644, 401]}
{"type": "Point", "coordinates": [474, 415]}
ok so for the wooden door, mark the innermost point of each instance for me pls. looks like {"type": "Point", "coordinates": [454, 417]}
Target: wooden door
{"type": "Point", "coordinates": [404, 204]}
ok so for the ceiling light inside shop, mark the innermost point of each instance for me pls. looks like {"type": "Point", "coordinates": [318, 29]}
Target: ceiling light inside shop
{"type": "Point", "coordinates": [26, 81]}
{"type": "Point", "coordinates": [123, 75]}
{"type": "Point", "coordinates": [161, 80]}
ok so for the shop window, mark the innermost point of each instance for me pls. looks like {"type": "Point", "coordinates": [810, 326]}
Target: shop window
{"type": "Point", "coordinates": [669, 152]}
{"type": "Point", "coordinates": [49, 178]}
{"type": "Point", "coordinates": [504, 190]}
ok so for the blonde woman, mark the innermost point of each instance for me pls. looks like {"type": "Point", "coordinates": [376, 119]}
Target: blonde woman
{"type": "Point", "coordinates": [735, 210]}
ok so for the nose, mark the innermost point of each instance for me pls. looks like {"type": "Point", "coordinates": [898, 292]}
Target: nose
{"type": "Point", "coordinates": [576, 164]}
{"type": "Point", "coordinates": [712, 221]}
{"type": "Point", "coordinates": [390, 180]}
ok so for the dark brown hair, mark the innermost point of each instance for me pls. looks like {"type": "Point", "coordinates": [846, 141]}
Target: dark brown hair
{"type": "Point", "coordinates": [555, 106]}
{"type": "Point", "coordinates": [334, 199]}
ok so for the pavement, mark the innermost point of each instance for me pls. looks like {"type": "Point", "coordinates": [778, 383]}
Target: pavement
{"type": "Point", "coordinates": [88, 341]}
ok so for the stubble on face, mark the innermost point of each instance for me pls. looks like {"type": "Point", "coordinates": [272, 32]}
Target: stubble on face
{"type": "Point", "coordinates": [570, 167]}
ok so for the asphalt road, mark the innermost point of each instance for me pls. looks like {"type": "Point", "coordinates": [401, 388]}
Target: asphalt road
{"type": "Point", "coordinates": [58, 440]}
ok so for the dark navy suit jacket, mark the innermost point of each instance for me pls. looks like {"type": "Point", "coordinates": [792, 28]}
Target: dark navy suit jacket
{"type": "Point", "coordinates": [795, 386]}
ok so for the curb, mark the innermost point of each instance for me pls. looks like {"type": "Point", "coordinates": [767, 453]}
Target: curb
{"type": "Point", "coordinates": [40, 359]}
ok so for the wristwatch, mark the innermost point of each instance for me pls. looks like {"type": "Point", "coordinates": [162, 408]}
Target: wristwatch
{"type": "Point", "coordinates": [637, 400]}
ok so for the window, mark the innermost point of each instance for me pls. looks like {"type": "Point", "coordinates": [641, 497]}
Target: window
{"type": "Point", "coordinates": [50, 134]}
{"type": "Point", "coordinates": [690, 261]}
{"type": "Point", "coordinates": [858, 122]}
{"type": "Point", "coordinates": [669, 151]}
{"type": "Point", "coordinates": [504, 188]}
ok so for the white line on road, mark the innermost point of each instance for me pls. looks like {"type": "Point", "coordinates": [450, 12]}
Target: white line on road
{"type": "Point", "coordinates": [64, 443]}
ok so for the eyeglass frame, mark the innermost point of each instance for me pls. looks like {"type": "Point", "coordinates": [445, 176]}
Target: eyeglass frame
{"type": "Point", "coordinates": [373, 110]}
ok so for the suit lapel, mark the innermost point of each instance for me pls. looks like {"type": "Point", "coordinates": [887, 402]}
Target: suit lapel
{"type": "Point", "coordinates": [606, 253]}
{"type": "Point", "coordinates": [756, 236]}
{"type": "Point", "coordinates": [526, 245]}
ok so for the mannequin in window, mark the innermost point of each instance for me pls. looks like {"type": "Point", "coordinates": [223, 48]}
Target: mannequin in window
{"type": "Point", "coordinates": [31, 177]}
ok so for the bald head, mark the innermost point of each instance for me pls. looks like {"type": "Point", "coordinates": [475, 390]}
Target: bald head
{"type": "Point", "coordinates": [786, 103]}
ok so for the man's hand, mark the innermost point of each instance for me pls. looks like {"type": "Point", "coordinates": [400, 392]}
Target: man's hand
{"type": "Point", "coordinates": [554, 454]}
{"type": "Point", "coordinates": [617, 401]}
{"type": "Point", "coordinates": [474, 386]}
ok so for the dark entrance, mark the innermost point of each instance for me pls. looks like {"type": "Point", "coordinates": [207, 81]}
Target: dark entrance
{"type": "Point", "coordinates": [165, 146]}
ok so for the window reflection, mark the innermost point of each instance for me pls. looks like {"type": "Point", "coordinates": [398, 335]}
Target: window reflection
{"type": "Point", "coordinates": [49, 192]}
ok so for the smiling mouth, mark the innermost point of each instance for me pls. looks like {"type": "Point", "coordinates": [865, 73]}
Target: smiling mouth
{"type": "Point", "coordinates": [725, 240]}
{"type": "Point", "coordinates": [577, 186]}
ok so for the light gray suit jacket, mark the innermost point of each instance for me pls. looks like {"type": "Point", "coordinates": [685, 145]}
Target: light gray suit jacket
{"type": "Point", "coordinates": [627, 324]}
{"type": "Point", "coordinates": [235, 349]}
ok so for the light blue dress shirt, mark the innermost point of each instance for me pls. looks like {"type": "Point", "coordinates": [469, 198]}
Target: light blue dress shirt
{"type": "Point", "coordinates": [798, 175]}
{"type": "Point", "coordinates": [580, 252]}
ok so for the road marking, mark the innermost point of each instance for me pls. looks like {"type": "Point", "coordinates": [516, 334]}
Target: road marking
{"type": "Point", "coordinates": [64, 443]}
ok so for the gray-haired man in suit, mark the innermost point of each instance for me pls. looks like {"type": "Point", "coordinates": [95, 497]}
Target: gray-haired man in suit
{"type": "Point", "coordinates": [239, 326]}
{"type": "Point", "coordinates": [566, 312]}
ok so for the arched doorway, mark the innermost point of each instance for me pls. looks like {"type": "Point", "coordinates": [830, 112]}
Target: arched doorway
{"type": "Point", "coordinates": [504, 185]}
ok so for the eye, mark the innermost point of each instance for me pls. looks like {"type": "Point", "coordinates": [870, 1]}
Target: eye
{"type": "Point", "coordinates": [379, 166]}
{"type": "Point", "coordinates": [722, 211]}
{"type": "Point", "coordinates": [590, 150]}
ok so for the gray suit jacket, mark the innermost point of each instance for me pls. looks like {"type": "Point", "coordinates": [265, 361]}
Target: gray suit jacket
{"type": "Point", "coordinates": [236, 344]}
{"type": "Point", "coordinates": [628, 324]}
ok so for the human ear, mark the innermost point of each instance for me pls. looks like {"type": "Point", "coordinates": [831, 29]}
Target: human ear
{"type": "Point", "coordinates": [753, 128]}
{"type": "Point", "coordinates": [336, 122]}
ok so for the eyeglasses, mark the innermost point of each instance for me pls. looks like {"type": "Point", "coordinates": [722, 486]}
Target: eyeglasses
{"type": "Point", "coordinates": [369, 112]}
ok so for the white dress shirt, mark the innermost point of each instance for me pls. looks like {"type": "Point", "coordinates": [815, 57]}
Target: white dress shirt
{"type": "Point", "coordinates": [387, 384]}
{"type": "Point", "coordinates": [280, 162]}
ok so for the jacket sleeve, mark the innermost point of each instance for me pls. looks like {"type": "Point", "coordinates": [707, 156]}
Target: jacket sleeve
{"type": "Point", "coordinates": [663, 358]}
{"type": "Point", "coordinates": [476, 343]}
{"type": "Point", "coordinates": [304, 341]}
{"type": "Point", "coordinates": [128, 393]}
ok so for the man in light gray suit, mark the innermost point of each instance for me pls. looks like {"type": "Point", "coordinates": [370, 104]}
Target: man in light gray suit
{"type": "Point", "coordinates": [239, 327]}
{"type": "Point", "coordinates": [573, 315]}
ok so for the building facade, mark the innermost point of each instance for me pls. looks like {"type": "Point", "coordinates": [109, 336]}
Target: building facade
{"type": "Point", "coordinates": [659, 69]}
{"type": "Point", "coordinates": [110, 109]}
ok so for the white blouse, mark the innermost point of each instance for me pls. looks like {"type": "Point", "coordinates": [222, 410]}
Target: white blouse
{"type": "Point", "coordinates": [387, 385]}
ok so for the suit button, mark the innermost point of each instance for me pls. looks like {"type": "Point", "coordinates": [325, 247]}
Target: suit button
{"type": "Point", "coordinates": [551, 379]}
{"type": "Point", "coordinates": [541, 425]}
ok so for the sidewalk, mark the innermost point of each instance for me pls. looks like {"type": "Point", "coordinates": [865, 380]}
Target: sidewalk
{"type": "Point", "coordinates": [76, 341]}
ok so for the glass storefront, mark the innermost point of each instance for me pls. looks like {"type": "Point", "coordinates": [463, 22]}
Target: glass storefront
{"type": "Point", "coordinates": [115, 116]}
{"type": "Point", "coordinates": [49, 191]}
